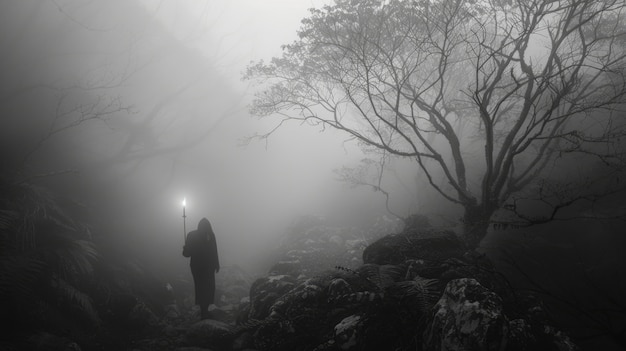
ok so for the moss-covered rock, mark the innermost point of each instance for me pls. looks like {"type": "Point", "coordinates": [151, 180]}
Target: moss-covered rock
{"type": "Point", "coordinates": [432, 245]}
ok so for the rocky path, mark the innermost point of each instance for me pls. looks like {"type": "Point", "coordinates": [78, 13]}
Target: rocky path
{"type": "Point", "coordinates": [411, 291]}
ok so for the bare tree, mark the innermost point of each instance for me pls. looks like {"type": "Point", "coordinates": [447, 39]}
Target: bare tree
{"type": "Point", "coordinates": [484, 94]}
{"type": "Point", "coordinates": [74, 69]}
{"type": "Point", "coordinates": [361, 176]}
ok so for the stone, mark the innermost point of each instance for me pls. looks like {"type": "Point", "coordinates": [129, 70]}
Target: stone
{"type": "Point", "coordinates": [432, 245]}
{"type": "Point", "coordinates": [211, 334]}
{"type": "Point", "coordinates": [265, 291]}
{"type": "Point", "coordinates": [142, 318]}
{"type": "Point", "coordinates": [347, 332]}
{"type": "Point", "coordinates": [468, 316]}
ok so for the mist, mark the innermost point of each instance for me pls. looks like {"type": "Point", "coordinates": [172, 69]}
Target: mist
{"type": "Point", "coordinates": [174, 122]}
{"type": "Point", "coordinates": [120, 110]}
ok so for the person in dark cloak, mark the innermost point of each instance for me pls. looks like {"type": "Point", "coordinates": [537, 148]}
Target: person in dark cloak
{"type": "Point", "coordinates": [201, 247]}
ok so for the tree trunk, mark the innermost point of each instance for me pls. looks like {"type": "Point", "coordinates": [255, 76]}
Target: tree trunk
{"type": "Point", "coordinates": [476, 223]}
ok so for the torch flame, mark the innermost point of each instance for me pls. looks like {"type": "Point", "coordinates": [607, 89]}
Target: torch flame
{"type": "Point", "coordinates": [184, 202]}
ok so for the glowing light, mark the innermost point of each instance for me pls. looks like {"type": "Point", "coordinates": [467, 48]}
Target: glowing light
{"type": "Point", "coordinates": [184, 202]}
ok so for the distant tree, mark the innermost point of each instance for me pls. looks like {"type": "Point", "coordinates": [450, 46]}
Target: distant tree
{"type": "Point", "coordinates": [486, 95]}
{"type": "Point", "coordinates": [98, 75]}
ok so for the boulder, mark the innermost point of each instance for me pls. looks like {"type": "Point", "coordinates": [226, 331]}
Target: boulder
{"type": "Point", "coordinates": [417, 290]}
{"type": "Point", "coordinates": [265, 291]}
{"type": "Point", "coordinates": [243, 341]}
{"type": "Point", "coordinates": [430, 245]}
{"type": "Point", "coordinates": [366, 310]}
{"type": "Point", "coordinates": [347, 332]}
{"type": "Point", "coordinates": [142, 319]}
{"type": "Point", "coordinates": [468, 316]}
{"type": "Point", "coordinates": [277, 335]}
{"type": "Point", "coordinates": [471, 265]}
{"type": "Point", "coordinates": [223, 313]}
{"type": "Point", "coordinates": [306, 314]}
{"type": "Point", "coordinates": [171, 311]}
{"type": "Point", "coordinates": [210, 334]}
{"type": "Point", "coordinates": [521, 336]}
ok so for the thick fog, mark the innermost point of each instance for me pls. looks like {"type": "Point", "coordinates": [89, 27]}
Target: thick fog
{"type": "Point", "coordinates": [123, 115]}
{"type": "Point", "coordinates": [127, 107]}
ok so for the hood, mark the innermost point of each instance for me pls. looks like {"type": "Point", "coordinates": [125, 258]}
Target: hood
{"type": "Point", "coordinates": [204, 226]}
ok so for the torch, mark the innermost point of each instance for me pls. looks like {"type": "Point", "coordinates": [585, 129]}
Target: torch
{"type": "Point", "coordinates": [184, 221]}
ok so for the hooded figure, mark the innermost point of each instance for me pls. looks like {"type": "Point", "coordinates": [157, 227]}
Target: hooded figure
{"type": "Point", "coordinates": [201, 247]}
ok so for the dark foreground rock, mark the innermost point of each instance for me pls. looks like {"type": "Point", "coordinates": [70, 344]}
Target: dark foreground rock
{"type": "Point", "coordinates": [468, 317]}
{"type": "Point", "coordinates": [211, 334]}
{"type": "Point", "coordinates": [432, 296]}
{"type": "Point", "coordinates": [431, 245]}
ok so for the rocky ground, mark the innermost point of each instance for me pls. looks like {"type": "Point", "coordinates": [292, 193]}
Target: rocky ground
{"type": "Point", "coordinates": [334, 290]}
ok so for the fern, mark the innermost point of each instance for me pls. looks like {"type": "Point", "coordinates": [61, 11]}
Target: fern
{"type": "Point", "coordinates": [71, 295]}
{"type": "Point", "coordinates": [6, 217]}
{"type": "Point", "coordinates": [383, 276]}
{"type": "Point", "coordinates": [18, 271]}
{"type": "Point", "coordinates": [73, 257]}
{"type": "Point", "coordinates": [18, 275]}
{"type": "Point", "coordinates": [423, 292]}
{"type": "Point", "coordinates": [40, 244]}
{"type": "Point", "coordinates": [359, 297]}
